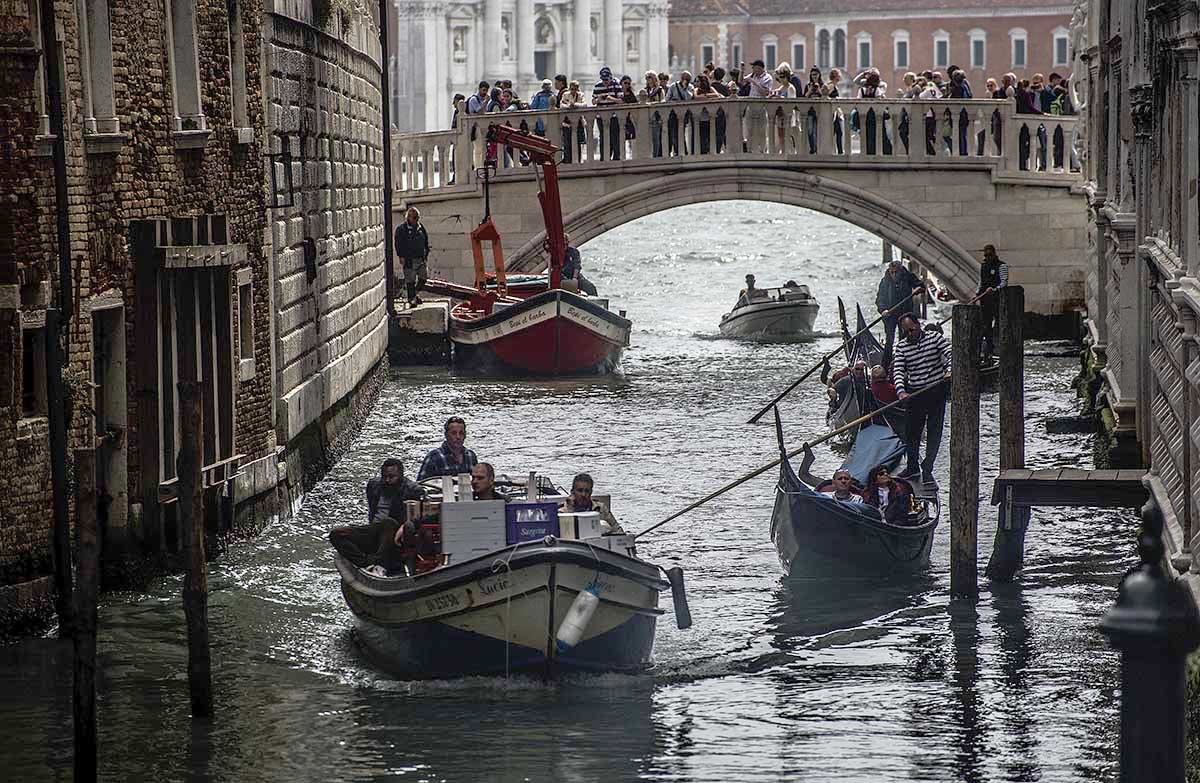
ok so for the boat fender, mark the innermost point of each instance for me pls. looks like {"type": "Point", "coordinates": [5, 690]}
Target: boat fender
{"type": "Point", "coordinates": [683, 615]}
{"type": "Point", "coordinates": [577, 619]}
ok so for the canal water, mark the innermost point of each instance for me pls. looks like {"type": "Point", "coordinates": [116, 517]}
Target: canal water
{"type": "Point", "coordinates": [852, 679]}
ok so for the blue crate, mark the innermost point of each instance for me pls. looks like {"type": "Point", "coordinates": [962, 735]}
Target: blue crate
{"type": "Point", "coordinates": [530, 521]}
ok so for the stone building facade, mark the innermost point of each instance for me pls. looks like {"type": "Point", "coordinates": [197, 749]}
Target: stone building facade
{"type": "Point", "coordinates": [184, 209]}
{"type": "Point", "coordinates": [1139, 64]}
{"type": "Point", "coordinates": [446, 48]}
{"type": "Point", "coordinates": [1021, 36]}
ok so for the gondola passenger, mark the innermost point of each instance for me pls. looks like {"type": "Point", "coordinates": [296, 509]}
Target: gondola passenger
{"type": "Point", "coordinates": [894, 499]}
{"type": "Point", "coordinates": [842, 488]}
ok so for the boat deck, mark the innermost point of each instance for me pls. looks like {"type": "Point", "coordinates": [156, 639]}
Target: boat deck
{"type": "Point", "coordinates": [1070, 487]}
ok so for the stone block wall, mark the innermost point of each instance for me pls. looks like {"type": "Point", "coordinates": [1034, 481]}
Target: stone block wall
{"type": "Point", "coordinates": [323, 99]}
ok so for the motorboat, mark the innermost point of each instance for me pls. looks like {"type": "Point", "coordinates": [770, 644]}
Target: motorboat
{"type": "Point", "coordinates": [815, 534]}
{"type": "Point", "coordinates": [772, 315]}
{"type": "Point", "coordinates": [511, 587]}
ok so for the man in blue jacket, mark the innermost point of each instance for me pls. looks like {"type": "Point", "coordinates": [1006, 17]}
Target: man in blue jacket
{"type": "Point", "coordinates": [896, 296]}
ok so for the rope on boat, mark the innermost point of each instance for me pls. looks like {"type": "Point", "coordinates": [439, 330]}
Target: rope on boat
{"type": "Point", "coordinates": [497, 565]}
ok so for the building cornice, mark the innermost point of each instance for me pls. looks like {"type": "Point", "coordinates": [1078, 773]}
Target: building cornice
{"type": "Point", "coordinates": [829, 20]}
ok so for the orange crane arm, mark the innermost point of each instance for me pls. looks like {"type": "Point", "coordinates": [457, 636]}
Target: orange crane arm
{"type": "Point", "coordinates": [542, 154]}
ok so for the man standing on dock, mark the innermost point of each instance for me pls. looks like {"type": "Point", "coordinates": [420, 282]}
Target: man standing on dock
{"type": "Point", "coordinates": [452, 457]}
{"type": "Point", "coordinates": [898, 291]}
{"type": "Point", "coordinates": [412, 245]}
{"type": "Point", "coordinates": [993, 275]}
{"type": "Point", "coordinates": [922, 358]}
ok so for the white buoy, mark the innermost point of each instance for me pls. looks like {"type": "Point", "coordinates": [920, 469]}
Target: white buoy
{"type": "Point", "coordinates": [577, 619]}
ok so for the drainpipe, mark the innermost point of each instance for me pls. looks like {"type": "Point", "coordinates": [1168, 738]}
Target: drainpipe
{"type": "Point", "coordinates": [386, 109]}
{"type": "Point", "coordinates": [57, 321]}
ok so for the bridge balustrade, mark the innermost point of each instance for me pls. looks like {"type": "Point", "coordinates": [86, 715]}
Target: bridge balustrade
{"type": "Point", "coordinates": [852, 133]}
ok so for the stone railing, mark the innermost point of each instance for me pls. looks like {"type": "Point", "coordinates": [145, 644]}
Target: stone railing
{"type": "Point", "coordinates": [853, 133]}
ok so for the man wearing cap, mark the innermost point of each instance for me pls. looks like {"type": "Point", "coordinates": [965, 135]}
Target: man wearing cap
{"type": "Point", "coordinates": [897, 295]}
{"type": "Point", "coordinates": [993, 275]}
{"type": "Point", "coordinates": [542, 101]}
{"type": "Point", "coordinates": [760, 87]}
{"type": "Point", "coordinates": [606, 91]}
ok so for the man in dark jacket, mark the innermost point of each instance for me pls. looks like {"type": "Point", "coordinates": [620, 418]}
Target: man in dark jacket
{"type": "Point", "coordinates": [993, 274]}
{"type": "Point", "coordinates": [412, 246]}
{"type": "Point", "coordinates": [375, 546]}
{"type": "Point", "coordinates": [897, 295]}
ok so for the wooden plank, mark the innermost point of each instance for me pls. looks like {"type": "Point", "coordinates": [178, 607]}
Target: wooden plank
{"type": "Point", "coordinates": [1130, 475]}
{"type": "Point", "coordinates": [1103, 475]}
{"type": "Point", "coordinates": [1045, 474]}
{"type": "Point", "coordinates": [1015, 474]}
{"type": "Point", "coordinates": [1072, 474]}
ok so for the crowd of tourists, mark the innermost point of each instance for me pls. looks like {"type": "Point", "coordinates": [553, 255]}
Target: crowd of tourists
{"type": "Point", "coordinates": [686, 134]}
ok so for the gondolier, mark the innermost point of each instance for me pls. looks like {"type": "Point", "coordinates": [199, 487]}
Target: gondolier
{"type": "Point", "coordinates": [993, 274]}
{"type": "Point", "coordinates": [897, 289]}
{"type": "Point", "coordinates": [922, 358]}
{"type": "Point", "coordinates": [412, 246]}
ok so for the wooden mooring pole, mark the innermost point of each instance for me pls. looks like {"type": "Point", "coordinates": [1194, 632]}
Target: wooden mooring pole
{"type": "Point", "coordinates": [1008, 547]}
{"type": "Point", "coordinates": [191, 523]}
{"type": "Point", "coordinates": [84, 636]}
{"type": "Point", "coordinates": [964, 453]}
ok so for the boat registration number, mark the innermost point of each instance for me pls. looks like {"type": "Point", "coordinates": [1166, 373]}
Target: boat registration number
{"type": "Point", "coordinates": [441, 602]}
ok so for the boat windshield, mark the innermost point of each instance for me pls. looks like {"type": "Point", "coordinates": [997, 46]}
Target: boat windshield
{"type": "Point", "coordinates": [796, 293]}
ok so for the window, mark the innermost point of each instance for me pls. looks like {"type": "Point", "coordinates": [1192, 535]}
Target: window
{"type": "Point", "coordinates": [33, 372]}
{"type": "Point", "coordinates": [769, 56]}
{"type": "Point", "coordinates": [237, 66]}
{"type": "Point", "coordinates": [798, 53]}
{"type": "Point", "coordinates": [978, 48]}
{"type": "Point", "coordinates": [900, 49]}
{"type": "Point", "coordinates": [506, 28]}
{"type": "Point", "coordinates": [96, 62]}
{"type": "Point", "coordinates": [1062, 47]}
{"type": "Point", "coordinates": [864, 50]}
{"type": "Point", "coordinates": [823, 57]}
{"type": "Point", "coordinates": [245, 314]}
{"type": "Point", "coordinates": [185, 78]}
{"type": "Point", "coordinates": [839, 48]}
{"type": "Point", "coordinates": [941, 49]}
{"type": "Point", "coordinates": [458, 45]}
{"type": "Point", "coordinates": [1019, 49]}
{"type": "Point", "coordinates": [735, 51]}
{"type": "Point", "coordinates": [707, 54]}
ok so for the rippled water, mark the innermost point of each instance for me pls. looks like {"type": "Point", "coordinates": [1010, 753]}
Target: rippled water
{"type": "Point", "coordinates": [853, 679]}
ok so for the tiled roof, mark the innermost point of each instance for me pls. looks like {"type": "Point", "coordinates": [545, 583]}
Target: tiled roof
{"type": "Point", "coordinates": [742, 8]}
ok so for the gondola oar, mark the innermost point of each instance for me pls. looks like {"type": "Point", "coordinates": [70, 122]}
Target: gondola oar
{"type": "Point", "coordinates": [792, 453]}
{"type": "Point", "coordinates": [826, 358]}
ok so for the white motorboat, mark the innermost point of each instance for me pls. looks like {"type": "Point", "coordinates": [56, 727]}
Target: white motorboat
{"type": "Point", "coordinates": [773, 315]}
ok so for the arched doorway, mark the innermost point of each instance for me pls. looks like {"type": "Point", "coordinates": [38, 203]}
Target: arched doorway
{"type": "Point", "coordinates": [545, 45]}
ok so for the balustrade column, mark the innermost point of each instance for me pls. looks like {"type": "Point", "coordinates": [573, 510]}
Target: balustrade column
{"type": "Point", "coordinates": [581, 44]}
{"type": "Point", "coordinates": [493, 39]}
{"type": "Point", "coordinates": [614, 44]}
{"type": "Point", "coordinates": [524, 44]}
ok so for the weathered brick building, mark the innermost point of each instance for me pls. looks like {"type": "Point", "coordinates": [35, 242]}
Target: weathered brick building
{"type": "Point", "coordinates": [223, 167]}
{"type": "Point", "coordinates": [987, 39]}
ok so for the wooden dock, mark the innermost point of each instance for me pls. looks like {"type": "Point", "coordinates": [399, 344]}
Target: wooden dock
{"type": "Point", "coordinates": [1070, 487]}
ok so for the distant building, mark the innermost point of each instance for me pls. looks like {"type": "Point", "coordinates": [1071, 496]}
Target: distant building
{"type": "Point", "coordinates": [443, 49]}
{"type": "Point", "coordinates": [983, 37]}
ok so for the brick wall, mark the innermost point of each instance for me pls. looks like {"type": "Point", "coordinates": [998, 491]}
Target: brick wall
{"type": "Point", "coordinates": [323, 95]}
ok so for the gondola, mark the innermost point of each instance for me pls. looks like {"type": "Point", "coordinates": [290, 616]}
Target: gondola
{"type": "Point", "coordinates": [815, 534]}
{"type": "Point", "coordinates": [863, 347]}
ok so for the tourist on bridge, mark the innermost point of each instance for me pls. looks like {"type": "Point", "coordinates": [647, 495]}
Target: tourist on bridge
{"type": "Point", "coordinates": [543, 100]}
{"type": "Point", "coordinates": [761, 86]}
{"type": "Point", "coordinates": [681, 90]}
{"type": "Point", "coordinates": [479, 102]}
{"type": "Point", "coordinates": [375, 546]}
{"type": "Point", "coordinates": [607, 92]}
{"type": "Point", "coordinates": [922, 359]}
{"type": "Point", "coordinates": [993, 275]}
{"type": "Point", "coordinates": [896, 296]}
{"type": "Point", "coordinates": [654, 92]}
{"type": "Point", "coordinates": [452, 457]}
{"type": "Point", "coordinates": [412, 246]}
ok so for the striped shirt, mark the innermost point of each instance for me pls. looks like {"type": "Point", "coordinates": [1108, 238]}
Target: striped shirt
{"type": "Point", "coordinates": [604, 91]}
{"type": "Point", "coordinates": [921, 363]}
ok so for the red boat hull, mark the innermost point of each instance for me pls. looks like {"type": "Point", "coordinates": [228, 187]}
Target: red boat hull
{"type": "Point", "coordinates": [554, 333]}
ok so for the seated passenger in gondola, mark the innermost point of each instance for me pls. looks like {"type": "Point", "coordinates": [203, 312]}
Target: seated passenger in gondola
{"type": "Point", "coordinates": [841, 487]}
{"type": "Point", "coordinates": [893, 498]}
{"type": "Point", "coordinates": [853, 383]}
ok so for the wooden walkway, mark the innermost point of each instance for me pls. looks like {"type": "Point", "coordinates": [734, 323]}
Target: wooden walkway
{"type": "Point", "coordinates": [1069, 487]}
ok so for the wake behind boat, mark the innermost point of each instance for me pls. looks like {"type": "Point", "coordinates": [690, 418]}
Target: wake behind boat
{"type": "Point", "coordinates": [772, 314]}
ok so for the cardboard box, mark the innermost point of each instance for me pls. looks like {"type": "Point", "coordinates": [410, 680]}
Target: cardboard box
{"type": "Point", "coordinates": [530, 521]}
{"type": "Point", "coordinates": [579, 524]}
{"type": "Point", "coordinates": [472, 529]}
{"type": "Point", "coordinates": [623, 544]}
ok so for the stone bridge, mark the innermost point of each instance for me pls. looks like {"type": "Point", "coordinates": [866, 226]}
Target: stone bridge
{"type": "Point", "coordinates": [980, 180]}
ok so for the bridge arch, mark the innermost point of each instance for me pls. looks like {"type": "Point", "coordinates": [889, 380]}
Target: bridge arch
{"type": "Point", "coordinates": [898, 224]}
